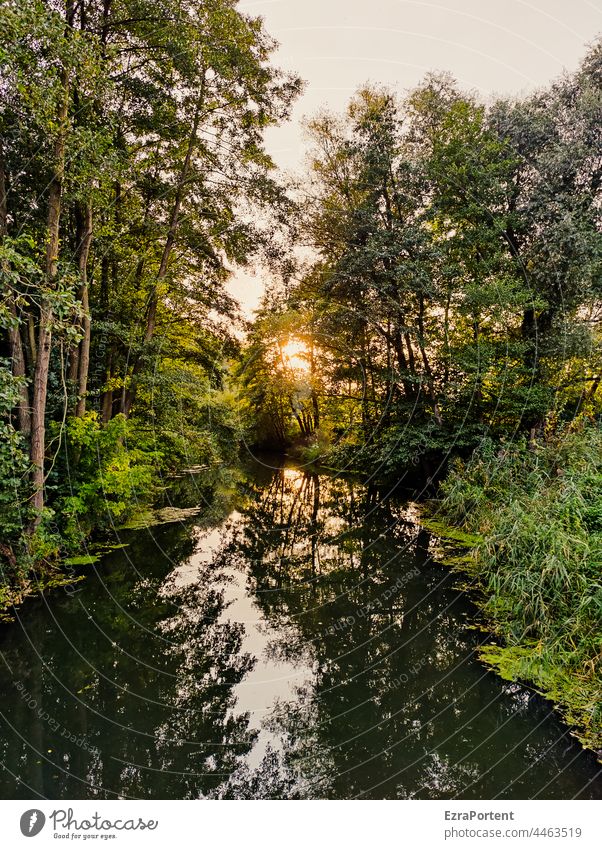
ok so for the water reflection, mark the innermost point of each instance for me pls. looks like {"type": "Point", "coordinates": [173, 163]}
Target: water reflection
{"type": "Point", "coordinates": [295, 640]}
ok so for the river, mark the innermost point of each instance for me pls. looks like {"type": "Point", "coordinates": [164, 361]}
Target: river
{"type": "Point", "coordinates": [280, 634]}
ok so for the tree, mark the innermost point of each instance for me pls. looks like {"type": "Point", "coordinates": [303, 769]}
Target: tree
{"type": "Point", "coordinates": [455, 286]}
{"type": "Point", "coordinates": [132, 173]}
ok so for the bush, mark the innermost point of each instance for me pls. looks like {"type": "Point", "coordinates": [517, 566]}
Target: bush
{"type": "Point", "coordinates": [108, 476]}
{"type": "Point", "coordinates": [14, 492]}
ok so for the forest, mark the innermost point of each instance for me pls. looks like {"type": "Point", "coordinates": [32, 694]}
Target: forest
{"type": "Point", "coordinates": [431, 313]}
{"type": "Point", "coordinates": [132, 172]}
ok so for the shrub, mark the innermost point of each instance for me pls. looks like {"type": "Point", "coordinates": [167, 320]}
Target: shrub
{"type": "Point", "coordinates": [107, 474]}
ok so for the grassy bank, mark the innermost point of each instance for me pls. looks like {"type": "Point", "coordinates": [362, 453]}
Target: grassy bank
{"type": "Point", "coordinates": [536, 562]}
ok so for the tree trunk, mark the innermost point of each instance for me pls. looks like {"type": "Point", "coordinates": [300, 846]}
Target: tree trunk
{"type": "Point", "coordinates": [20, 371]}
{"type": "Point", "coordinates": [31, 341]}
{"type": "Point", "coordinates": [84, 350]}
{"type": "Point", "coordinates": [82, 249]}
{"type": "Point", "coordinates": [314, 395]}
{"type": "Point", "coordinates": [409, 387]}
{"type": "Point", "coordinates": [40, 377]}
{"type": "Point", "coordinates": [106, 412]}
{"type": "Point", "coordinates": [426, 364]}
{"type": "Point", "coordinates": [129, 394]}
{"type": "Point", "coordinates": [14, 333]}
{"type": "Point", "coordinates": [174, 221]}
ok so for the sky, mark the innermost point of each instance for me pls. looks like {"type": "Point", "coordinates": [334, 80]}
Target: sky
{"type": "Point", "coordinates": [491, 46]}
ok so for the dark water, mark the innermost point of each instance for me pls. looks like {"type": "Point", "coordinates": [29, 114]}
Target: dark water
{"type": "Point", "coordinates": [293, 640]}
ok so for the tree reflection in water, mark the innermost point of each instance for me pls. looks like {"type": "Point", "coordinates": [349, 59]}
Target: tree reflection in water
{"type": "Point", "coordinates": [294, 640]}
{"type": "Point", "coordinates": [393, 703]}
{"type": "Point", "coordinates": [138, 669]}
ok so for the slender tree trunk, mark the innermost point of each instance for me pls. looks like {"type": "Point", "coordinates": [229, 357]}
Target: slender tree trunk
{"type": "Point", "coordinates": [315, 548]}
{"type": "Point", "coordinates": [409, 387]}
{"type": "Point", "coordinates": [106, 409]}
{"type": "Point", "coordinates": [14, 334]}
{"type": "Point", "coordinates": [19, 370]}
{"type": "Point", "coordinates": [84, 351]}
{"type": "Point", "coordinates": [105, 27]}
{"type": "Point", "coordinates": [411, 357]}
{"type": "Point", "coordinates": [105, 352]}
{"type": "Point", "coordinates": [73, 366]}
{"type": "Point", "coordinates": [38, 416]}
{"type": "Point", "coordinates": [31, 341]}
{"type": "Point", "coordinates": [431, 385]}
{"type": "Point", "coordinates": [174, 221]}
{"type": "Point", "coordinates": [83, 236]}
{"type": "Point", "coordinates": [40, 377]}
{"type": "Point", "coordinates": [314, 395]}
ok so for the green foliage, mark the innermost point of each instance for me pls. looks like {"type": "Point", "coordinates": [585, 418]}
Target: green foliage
{"type": "Point", "coordinates": [13, 463]}
{"type": "Point", "coordinates": [121, 342]}
{"type": "Point", "coordinates": [280, 379]}
{"type": "Point", "coordinates": [183, 416]}
{"type": "Point", "coordinates": [457, 273]}
{"type": "Point", "coordinates": [110, 475]}
{"type": "Point", "coordinates": [537, 564]}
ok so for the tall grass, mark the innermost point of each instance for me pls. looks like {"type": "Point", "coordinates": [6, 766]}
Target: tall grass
{"type": "Point", "coordinates": [538, 564]}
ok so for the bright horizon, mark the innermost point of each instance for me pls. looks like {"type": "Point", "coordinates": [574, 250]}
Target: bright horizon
{"type": "Point", "coordinates": [336, 46]}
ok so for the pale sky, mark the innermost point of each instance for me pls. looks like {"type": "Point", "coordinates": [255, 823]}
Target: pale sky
{"type": "Point", "coordinates": [493, 46]}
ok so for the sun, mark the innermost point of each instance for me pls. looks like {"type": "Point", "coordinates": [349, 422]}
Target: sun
{"type": "Point", "coordinates": [295, 355]}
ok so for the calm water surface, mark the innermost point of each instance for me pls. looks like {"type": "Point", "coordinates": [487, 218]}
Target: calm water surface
{"type": "Point", "coordinates": [295, 638]}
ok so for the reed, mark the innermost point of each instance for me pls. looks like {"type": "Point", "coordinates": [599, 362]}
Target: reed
{"type": "Point", "coordinates": [537, 563]}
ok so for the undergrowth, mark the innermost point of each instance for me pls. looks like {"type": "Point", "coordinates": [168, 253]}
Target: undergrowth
{"type": "Point", "coordinates": [536, 558]}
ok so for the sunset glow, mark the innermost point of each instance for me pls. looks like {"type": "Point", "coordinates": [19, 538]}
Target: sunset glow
{"type": "Point", "coordinates": [294, 353]}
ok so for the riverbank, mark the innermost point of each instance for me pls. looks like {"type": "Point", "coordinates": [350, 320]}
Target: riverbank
{"type": "Point", "coordinates": [293, 639]}
{"type": "Point", "coordinates": [104, 477]}
{"type": "Point", "coordinates": [532, 519]}
{"type": "Point", "coordinates": [535, 513]}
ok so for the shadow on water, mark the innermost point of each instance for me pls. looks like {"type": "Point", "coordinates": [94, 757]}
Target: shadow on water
{"type": "Point", "coordinates": [294, 639]}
